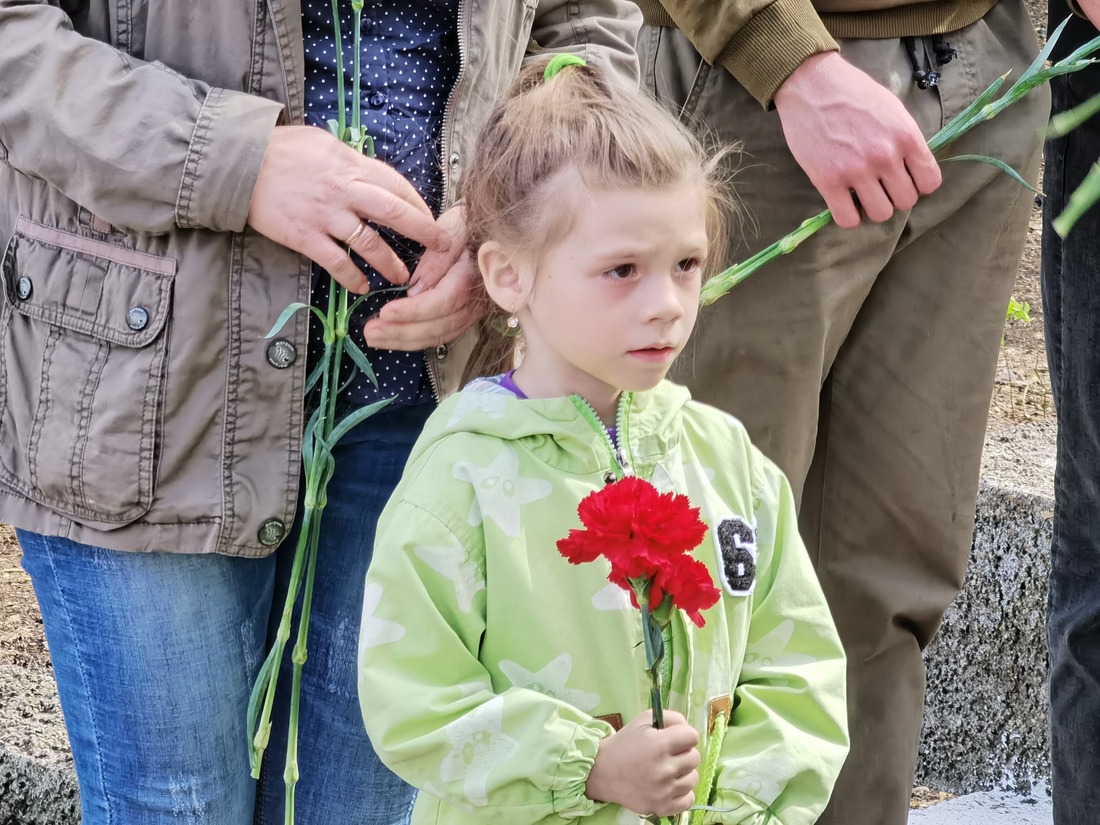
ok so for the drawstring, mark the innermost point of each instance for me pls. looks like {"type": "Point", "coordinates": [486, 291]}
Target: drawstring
{"type": "Point", "coordinates": [924, 75]}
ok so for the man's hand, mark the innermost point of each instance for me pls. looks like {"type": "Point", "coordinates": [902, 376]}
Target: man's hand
{"type": "Point", "coordinates": [849, 132]}
{"type": "Point", "coordinates": [437, 308]}
{"type": "Point", "coordinates": [313, 193]}
{"type": "Point", "coordinates": [645, 769]}
{"type": "Point", "coordinates": [1091, 9]}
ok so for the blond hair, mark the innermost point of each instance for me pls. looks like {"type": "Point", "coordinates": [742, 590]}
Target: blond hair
{"type": "Point", "coordinates": [614, 138]}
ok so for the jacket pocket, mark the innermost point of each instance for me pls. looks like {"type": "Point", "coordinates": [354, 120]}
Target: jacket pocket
{"type": "Point", "coordinates": [83, 352]}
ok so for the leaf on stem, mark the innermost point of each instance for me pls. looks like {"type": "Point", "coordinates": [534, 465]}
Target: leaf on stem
{"type": "Point", "coordinates": [1085, 196]}
{"type": "Point", "coordinates": [997, 162]}
{"type": "Point", "coordinates": [361, 414]}
{"type": "Point", "coordinates": [1065, 122]}
{"type": "Point", "coordinates": [360, 359]}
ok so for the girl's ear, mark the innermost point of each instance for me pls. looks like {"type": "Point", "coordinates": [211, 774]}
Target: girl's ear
{"type": "Point", "coordinates": [504, 280]}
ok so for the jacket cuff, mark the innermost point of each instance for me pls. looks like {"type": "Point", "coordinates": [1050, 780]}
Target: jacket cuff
{"type": "Point", "coordinates": [567, 786]}
{"type": "Point", "coordinates": [772, 44]}
{"type": "Point", "coordinates": [223, 160]}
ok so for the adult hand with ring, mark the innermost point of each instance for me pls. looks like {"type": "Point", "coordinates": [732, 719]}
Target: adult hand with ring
{"type": "Point", "coordinates": [312, 191]}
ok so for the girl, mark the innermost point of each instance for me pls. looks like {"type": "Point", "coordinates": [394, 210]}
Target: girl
{"type": "Point", "coordinates": [494, 675]}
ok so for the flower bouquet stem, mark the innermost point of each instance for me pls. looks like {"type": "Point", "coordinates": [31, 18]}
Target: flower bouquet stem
{"type": "Point", "coordinates": [322, 432]}
{"type": "Point", "coordinates": [983, 108]}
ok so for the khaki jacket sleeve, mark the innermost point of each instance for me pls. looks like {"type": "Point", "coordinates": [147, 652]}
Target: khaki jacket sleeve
{"type": "Point", "coordinates": [760, 42]}
{"type": "Point", "coordinates": [136, 143]}
{"type": "Point", "coordinates": [603, 32]}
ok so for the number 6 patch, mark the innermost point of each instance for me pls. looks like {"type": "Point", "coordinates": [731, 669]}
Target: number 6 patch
{"type": "Point", "coordinates": [735, 541]}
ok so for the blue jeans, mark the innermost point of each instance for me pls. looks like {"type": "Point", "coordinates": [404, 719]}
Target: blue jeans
{"type": "Point", "coordinates": [1071, 304]}
{"type": "Point", "coordinates": [155, 655]}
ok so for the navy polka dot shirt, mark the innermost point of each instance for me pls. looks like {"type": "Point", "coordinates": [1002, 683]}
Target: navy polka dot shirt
{"type": "Point", "coordinates": [409, 63]}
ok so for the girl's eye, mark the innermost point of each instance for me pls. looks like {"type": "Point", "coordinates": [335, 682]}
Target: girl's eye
{"type": "Point", "coordinates": [688, 265]}
{"type": "Point", "coordinates": [621, 272]}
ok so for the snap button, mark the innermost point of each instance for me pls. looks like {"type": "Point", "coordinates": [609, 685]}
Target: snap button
{"type": "Point", "coordinates": [453, 160]}
{"type": "Point", "coordinates": [137, 318]}
{"type": "Point", "coordinates": [281, 353]}
{"type": "Point", "coordinates": [24, 288]}
{"type": "Point", "coordinates": [440, 352]}
{"type": "Point", "coordinates": [271, 532]}
{"type": "Point", "coordinates": [377, 100]}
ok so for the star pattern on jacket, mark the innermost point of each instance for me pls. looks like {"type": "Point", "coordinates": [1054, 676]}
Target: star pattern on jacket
{"type": "Point", "coordinates": [477, 747]}
{"type": "Point", "coordinates": [500, 491]}
{"type": "Point", "coordinates": [457, 564]}
{"type": "Point", "coordinates": [611, 597]}
{"type": "Point", "coordinates": [490, 403]}
{"type": "Point", "coordinates": [551, 681]}
{"type": "Point", "coordinates": [375, 631]}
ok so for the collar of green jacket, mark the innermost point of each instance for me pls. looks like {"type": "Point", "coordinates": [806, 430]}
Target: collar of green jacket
{"type": "Point", "coordinates": [556, 432]}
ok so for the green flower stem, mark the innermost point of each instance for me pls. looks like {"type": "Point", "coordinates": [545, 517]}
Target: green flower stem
{"type": "Point", "coordinates": [653, 658]}
{"type": "Point", "coordinates": [340, 67]}
{"type": "Point", "coordinates": [979, 111]}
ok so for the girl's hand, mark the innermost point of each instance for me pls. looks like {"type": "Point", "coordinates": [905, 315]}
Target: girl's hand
{"type": "Point", "coordinates": [645, 769]}
{"type": "Point", "coordinates": [314, 193]}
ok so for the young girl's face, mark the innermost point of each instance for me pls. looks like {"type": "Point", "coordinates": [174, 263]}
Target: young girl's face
{"type": "Point", "coordinates": [614, 302]}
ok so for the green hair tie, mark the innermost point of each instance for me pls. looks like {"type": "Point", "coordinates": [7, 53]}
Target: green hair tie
{"type": "Point", "coordinates": [559, 62]}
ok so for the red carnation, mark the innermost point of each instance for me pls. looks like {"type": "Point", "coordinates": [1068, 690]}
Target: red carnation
{"type": "Point", "coordinates": [647, 536]}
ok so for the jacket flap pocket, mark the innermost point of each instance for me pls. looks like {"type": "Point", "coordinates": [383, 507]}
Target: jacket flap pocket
{"type": "Point", "coordinates": [108, 292]}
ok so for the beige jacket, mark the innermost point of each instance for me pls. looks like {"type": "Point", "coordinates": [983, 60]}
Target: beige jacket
{"type": "Point", "coordinates": [141, 407]}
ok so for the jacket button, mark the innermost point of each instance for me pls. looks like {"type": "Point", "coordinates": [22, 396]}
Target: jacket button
{"type": "Point", "coordinates": [271, 532]}
{"type": "Point", "coordinates": [281, 353]}
{"type": "Point", "coordinates": [377, 100]}
{"type": "Point", "coordinates": [440, 352]}
{"type": "Point", "coordinates": [453, 160]}
{"type": "Point", "coordinates": [137, 318]}
{"type": "Point", "coordinates": [24, 288]}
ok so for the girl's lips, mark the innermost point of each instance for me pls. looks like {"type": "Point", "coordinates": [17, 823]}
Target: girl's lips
{"type": "Point", "coordinates": [654, 355]}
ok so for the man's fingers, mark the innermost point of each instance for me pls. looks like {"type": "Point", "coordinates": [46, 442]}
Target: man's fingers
{"type": "Point", "coordinates": [924, 171]}
{"type": "Point", "coordinates": [900, 189]}
{"type": "Point", "coordinates": [374, 250]}
{"type": "Point", "coordinates": [844, 210]}
{"type": "Point", "coordinates": [876, 205]}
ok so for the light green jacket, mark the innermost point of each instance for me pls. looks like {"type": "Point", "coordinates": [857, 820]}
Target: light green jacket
{"type": "Point", "coordinates": [485, 659]}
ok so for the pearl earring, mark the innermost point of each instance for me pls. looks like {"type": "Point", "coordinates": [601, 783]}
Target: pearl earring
{"type": "Point", "coordinates": [512, 322]}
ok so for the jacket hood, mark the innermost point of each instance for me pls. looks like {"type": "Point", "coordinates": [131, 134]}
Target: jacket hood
{"type": "Point", "coordinates": [557, 430]}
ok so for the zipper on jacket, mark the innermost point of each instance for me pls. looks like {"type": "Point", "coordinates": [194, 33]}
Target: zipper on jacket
{"type": "Point", "coordinates": [619, 455]}
{"type": "Point", "coordinates": [433, 378]}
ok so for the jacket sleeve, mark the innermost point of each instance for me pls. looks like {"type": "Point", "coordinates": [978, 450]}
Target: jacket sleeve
{"type": "Point", "coordinates": [136, 143]}
{"type": "Point", "coordinates": [603, 32]}
{"type": "Point", "coordinates": [429, 705]}
{"type": "Point", "coordinates": [760, 42]}
{"type": "Point", "coordinates": [788, 735]}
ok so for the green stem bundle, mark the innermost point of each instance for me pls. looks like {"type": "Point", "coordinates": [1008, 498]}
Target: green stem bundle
{"type": "Point", "coordinates": [321, 435]}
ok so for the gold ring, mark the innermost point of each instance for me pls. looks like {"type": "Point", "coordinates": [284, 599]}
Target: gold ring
{"type": "Point", "coordinates": [356, 234]}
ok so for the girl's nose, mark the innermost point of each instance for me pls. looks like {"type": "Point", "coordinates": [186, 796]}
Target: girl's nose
{"type": "Point", "coordinates": [664, 301]}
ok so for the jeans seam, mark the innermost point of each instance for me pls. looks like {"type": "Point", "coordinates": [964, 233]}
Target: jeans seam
{"type": "Point", "coordinates": [84, 681]}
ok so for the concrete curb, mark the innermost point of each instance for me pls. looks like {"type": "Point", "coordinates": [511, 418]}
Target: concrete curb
{"type": "Point", "coordinates": [985, 724]}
